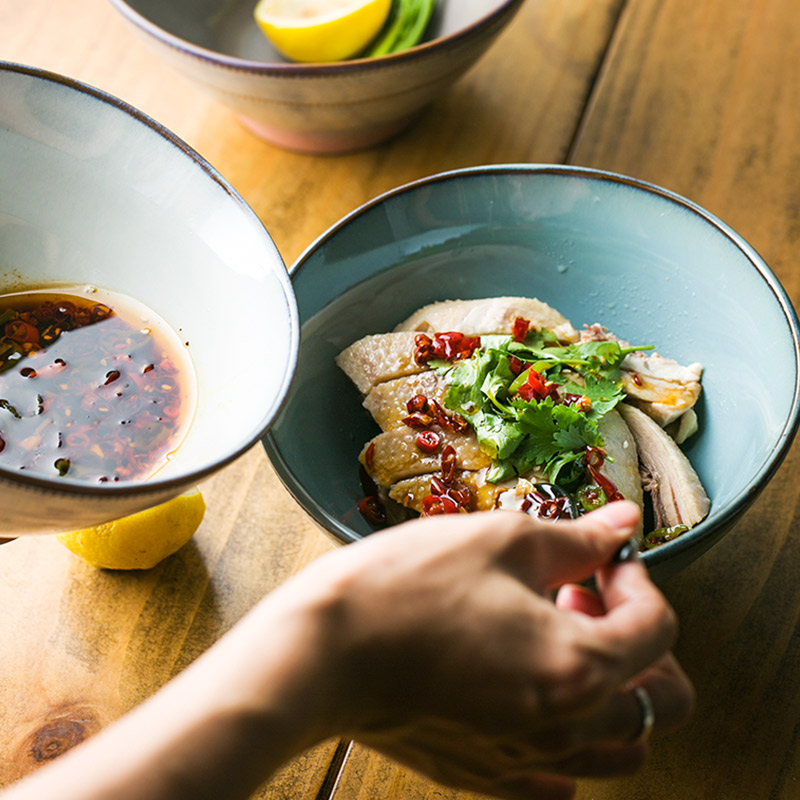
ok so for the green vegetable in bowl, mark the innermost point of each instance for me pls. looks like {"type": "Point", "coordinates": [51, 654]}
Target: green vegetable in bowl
{"type": "Point", "coordinates": [404, 28]}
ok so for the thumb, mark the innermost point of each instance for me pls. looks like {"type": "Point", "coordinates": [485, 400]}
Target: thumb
{"type": "Point", "coordinates": [572, 551]}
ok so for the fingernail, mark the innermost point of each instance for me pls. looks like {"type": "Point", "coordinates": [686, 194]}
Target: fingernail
{"type": "Point", "coordinates": [628, 552]}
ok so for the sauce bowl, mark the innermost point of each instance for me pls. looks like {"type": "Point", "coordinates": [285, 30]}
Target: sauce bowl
{"type": "Point", "coordinates": [95, 193]}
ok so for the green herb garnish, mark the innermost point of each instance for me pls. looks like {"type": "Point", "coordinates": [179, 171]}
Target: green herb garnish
{"type": "Point", "coordinates": [536, 405]}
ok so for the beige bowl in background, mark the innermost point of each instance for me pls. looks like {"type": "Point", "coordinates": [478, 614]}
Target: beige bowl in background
{"type": "Point", "coordinates": [318, 108]}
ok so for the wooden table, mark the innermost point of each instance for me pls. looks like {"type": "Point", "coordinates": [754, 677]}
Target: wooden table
{"type": "Point", "coordinates": [700, 96]}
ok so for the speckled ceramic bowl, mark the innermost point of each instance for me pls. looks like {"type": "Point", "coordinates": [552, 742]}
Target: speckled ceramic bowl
{"type": "Point", "coordinates": [649, 265]}
{"type": "Point", "coordinates": [93, 192]}
{"type": "Point", "coordinates": [320, 108]}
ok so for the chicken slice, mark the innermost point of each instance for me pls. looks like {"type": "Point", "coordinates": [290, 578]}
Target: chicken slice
{"type": "Point", "coordinates": [379, 357]}
{"type": "Point", "coordinates": [622, 465]}
{"type": "Point", "coordinates": [387, 401]}
{"type": "Point", "coordinates": [393, 455]}
{"type": "Point", "coordinates": [411, 491]}
{"type": "Point", "coordinates": [661, 387]}
{"type": "Point", "coordinates": [678, 496]}
{"type": "Point", "coordinates": [489, 315]}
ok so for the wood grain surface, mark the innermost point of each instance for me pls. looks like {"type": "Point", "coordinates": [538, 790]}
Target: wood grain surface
{"type": "Point", "coordinates": [700, 96]}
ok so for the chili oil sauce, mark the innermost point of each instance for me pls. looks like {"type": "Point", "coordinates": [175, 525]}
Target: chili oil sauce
{"type": "Point", "coordinates": [94, 385]}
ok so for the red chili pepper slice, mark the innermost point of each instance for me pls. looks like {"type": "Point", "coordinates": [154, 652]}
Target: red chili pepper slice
{"type": "Point", "coordinates": [372, 510]}
{"type": "Point", "coordinates": [428, 441]}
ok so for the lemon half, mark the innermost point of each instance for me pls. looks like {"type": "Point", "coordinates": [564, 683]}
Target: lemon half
{"type": "Point", "coordinates": [319, 31]}
{"type": "Point", "coordinates": [141, 540]}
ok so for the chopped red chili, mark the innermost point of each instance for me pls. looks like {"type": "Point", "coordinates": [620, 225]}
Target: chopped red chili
{"type": "Point", "coordinates": [433, 505]}
{"type": "Point", "coordinates": [419, 402]}
{"type": "Point", "coordinates": [448, 346]}
{"type": "Point", "coordinates": [537, 387]}
{"type": "Point", "coordinates": [418, 419]}
{"type": "Point", "coordinates": [517, 365]}
{"type": "Point", "coordinates": [448, 464]}
{"type": "Point", "coordinates": [519, 330]}
{"type": "Point", "coordinates": [369, 457]}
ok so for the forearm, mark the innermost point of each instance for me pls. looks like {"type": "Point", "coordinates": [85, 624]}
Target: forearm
{"type": "Point", "coordinates": [218, 730]}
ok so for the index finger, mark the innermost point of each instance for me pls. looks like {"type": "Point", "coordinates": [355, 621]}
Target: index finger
{"type": "Point", "coordinates": [639, 625]}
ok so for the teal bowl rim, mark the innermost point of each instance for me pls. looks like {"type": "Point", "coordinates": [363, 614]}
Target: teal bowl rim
{"type": "Point", "coordinates": [705, 534]}
{"type": "Point", "coordinates": [237, 449]}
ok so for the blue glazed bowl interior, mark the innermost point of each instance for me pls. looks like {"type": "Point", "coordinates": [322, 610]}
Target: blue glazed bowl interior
{"type": "Point", "coordinates": [650, 266]}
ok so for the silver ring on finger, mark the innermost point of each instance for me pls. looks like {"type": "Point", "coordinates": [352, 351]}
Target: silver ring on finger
{"type": "Point", "coordinates": [648, 714]}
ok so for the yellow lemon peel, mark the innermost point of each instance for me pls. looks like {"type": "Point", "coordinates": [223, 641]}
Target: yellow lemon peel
{"type": "Point", "coordinates": [321, 31]}
{"type": "Point", "coordinates": [141, 540]}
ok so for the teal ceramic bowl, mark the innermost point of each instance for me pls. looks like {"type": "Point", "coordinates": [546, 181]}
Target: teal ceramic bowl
{"type": "Point", "coordinates": [649, 265]}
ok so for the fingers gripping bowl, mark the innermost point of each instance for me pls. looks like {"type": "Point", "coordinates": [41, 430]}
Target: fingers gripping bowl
{"type": "Point", "coordinates": [597, 247]}
{"type": "Point", "coordinates": [97, 195]}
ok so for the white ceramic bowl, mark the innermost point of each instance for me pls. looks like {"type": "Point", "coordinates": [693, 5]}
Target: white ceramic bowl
{"type": "Point", "coordinates": [321, 108]}
{"type": "Point", "coordinates": [94, 192]}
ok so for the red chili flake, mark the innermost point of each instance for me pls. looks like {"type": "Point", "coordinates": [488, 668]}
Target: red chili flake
{"type": "Point", "coordinates": [448, 464]}
{"type": "Point", "coordinates": [519, 330]}
{"type": "Point", "coordinates": [462, 495]}
{"type": "Point", "coordinates": [418, 420]}
{"type": "Point", "coordinates": [372, 510]}
{"type": "Point", "coordinates": [369, 457]}
{"type": "Point", "coordinates": [428, 441]}
{"type": "Point", "coordinates": [517, 365]}
{"type": "Point", "coordinates": [112, 376]}
{"type": "Point", "coordinates": [417, 403]}
{"type": "Point", "coordinates": [433, 505]}
{"type": "Point", "coordinates": [537, 387]}
{"type": "Point", "coordinates": [580, 401]}
{"type": "Point", "coordinates": [438, 486]}
{"type": "Point", "coordinates": [148, 368]}
{"type": "Point", "coordinates": [28, 372]}
{"type": "Point", "coordinates": [458, 423]}
{"type": "Point", "coordinates": [449, 346]}
{"type": "Point", "coordinates": [595, 458]}
{"type": "Point", "coordinates": [423, 349]}
{"type": "Point", "coordinates": [637, 378]}
{"type": "Point", "coordinates": [2, 444]}
{"type": "Point", "coordinates": [22, 332]}
{"type": "Point", "coordinates": [438, 413]}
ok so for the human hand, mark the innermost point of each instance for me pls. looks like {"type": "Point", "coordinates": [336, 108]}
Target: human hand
{"type": "Point", "coordinates": [450, 656]}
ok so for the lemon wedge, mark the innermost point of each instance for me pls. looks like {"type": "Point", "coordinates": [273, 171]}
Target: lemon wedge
{"type": "Point", "coordinates": [141, 540]}
{"type": "Point", "coordinates": [320, 31]}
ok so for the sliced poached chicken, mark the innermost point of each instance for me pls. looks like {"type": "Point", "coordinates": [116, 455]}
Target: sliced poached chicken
{"type": "Point", "coordinates": [678, 496]}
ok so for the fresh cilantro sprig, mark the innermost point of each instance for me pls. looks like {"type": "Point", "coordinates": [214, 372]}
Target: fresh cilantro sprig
{"type": "Point", "coordinates": [522, 435]}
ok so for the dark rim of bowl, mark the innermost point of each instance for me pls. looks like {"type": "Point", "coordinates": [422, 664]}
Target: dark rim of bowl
{"type": "Point", "coordinates": [149, 486]}
{"type": "Point", "coordinates": [296, 70]}
{"type": "Point", "coordinates": [704, 533]}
